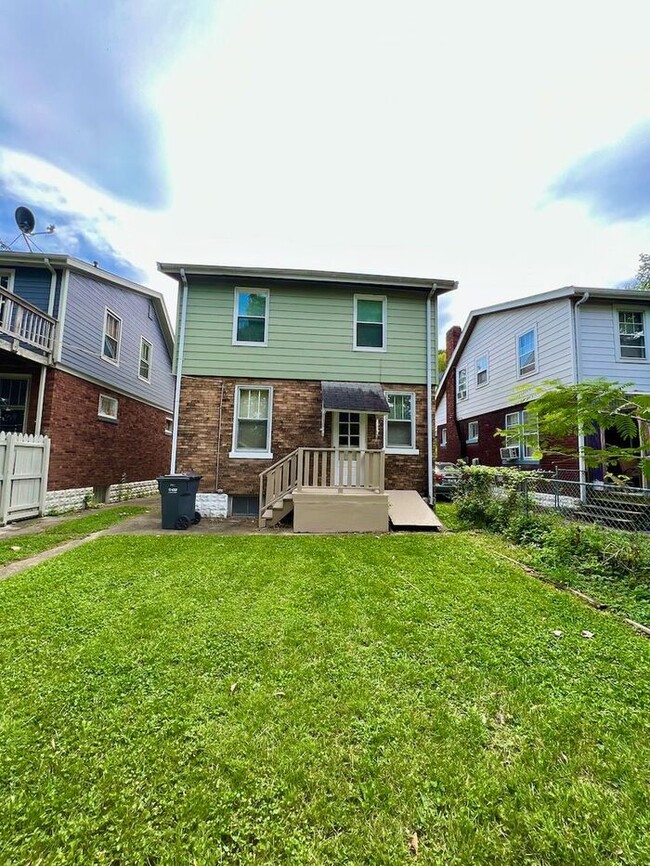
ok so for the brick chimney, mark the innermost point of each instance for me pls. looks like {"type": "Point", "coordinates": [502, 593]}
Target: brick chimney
{"type": "Point", "coordinates": [452, 337]}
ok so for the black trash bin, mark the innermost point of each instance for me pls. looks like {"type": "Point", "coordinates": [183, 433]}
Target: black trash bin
{"type": "Point", "coordinates": [178, 500]}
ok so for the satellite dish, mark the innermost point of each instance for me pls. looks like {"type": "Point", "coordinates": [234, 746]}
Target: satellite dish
{"type": "Point", "coordinates": [25, 220]}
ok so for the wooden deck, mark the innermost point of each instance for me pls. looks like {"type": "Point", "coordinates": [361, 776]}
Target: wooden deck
{"type": "Point", "coordinates": [407, 510]}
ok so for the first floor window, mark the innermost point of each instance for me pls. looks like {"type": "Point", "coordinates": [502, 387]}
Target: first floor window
{"type": "Point", "coordinates": [253, 420]}
{"type": "Point", "coordinates": [443, 437]}
{"type": "Point", "coordinates": [112, 336]}
{"type": "Point", "coordinates": [524, 433]}
{"type": "Point", "coordinates": [369, 323]}
{"type": "Point", "coordinates": [400, 425]}
{"type": "Point", "coordinates": [169, 426]}
{"type": "Point", "coordinates": [107, 407]}
{"type": "Point", "coordinates": [14, 391]}
{"type": "Point", "coordinates": [472, 431]}
{"type": "Point", "coordinates": [631, 334]}
{"type": "Point", "coordinates": [144, 368]}
{"type": "Point", "coordinates": [461, 384]}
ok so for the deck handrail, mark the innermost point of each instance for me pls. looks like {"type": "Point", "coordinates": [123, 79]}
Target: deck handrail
{"type": "Point", "coordinates": [25, 322]}
{"type": "Point", "coordinates": [334, 468]}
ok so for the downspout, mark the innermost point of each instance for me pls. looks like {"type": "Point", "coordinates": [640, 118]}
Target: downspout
{"type": "Point", "coordinates": [582, 468]}
{"type": "Point", "coordinates": [429, 386]}
{"type": "Point", "coordinates": [179, 369]}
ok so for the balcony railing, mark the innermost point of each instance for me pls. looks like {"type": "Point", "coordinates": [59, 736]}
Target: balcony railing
{"type": "Point", "coordinates": [29, 327]}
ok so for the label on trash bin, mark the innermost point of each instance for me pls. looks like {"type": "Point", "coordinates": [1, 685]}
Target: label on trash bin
{"type": "Point", "coordinates": [172, 490]}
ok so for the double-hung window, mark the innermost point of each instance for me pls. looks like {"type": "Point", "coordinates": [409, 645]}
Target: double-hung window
{"type": "Point", "coordinates": [144, 367]}
{"type": "Point", "coordinates": [443, 437]}
{"type": "Point", "coordinates": [252, 428]}
{"type": "Point", "coordinates": [527, 353]}
{"type": "Point", "coordinates": [472, 431]}
{"type": "Point", "coordinates": [369, 323]}
{"type": "Point", "coordinates": [482, 364]}
{"type": "Point", "coordinates": [7, 281]}
{"type": "Point", "coordinates": [112, 337]}
{"type": "Point", "coordinates": [400, 424]}
{"type": "Point", "coordinates": [631, 335]}
{"type": "Point", "coordinates": [461, 384]}
{"type": "Point", "coordinates": [524, 433]}
{"type": "Point", "coordinates": [251, 320]}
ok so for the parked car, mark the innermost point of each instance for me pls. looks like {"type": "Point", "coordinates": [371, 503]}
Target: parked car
{"type": "Point", "coordinates": [447, 478]}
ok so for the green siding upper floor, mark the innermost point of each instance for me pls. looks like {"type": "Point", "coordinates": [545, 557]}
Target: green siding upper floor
{"type": "Point", "coordinates": [310, 334]}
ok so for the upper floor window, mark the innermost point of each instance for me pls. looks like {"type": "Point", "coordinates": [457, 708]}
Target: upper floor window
{"type": "Point", "coordinates": [527, 353]}
{"type": "Point", "coordinates": [112, 337]}
{"type": "Point", "coordinates": [400, 424]}
{"type": "Point", "coordinates": [370, 323]}
{"type": "Point", "coordinates": [461, 384]}
{"type": "Point", "coordinates": [251, 320]}
{"type": "Point", "coordinates": [482, 364]}
{"type": "Point", "coordinates": [144, 367]}
{"type": "Point", "coordinates": [631, 335]}
{"type": "Point", "coordinates": [7, 281]}
{"type": "Point", "coordinates": [252, 428]}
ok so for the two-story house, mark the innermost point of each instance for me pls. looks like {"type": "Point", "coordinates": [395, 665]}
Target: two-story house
{"type": "Point", "coordinates": [85, 358]}
{"type": "Point", "coordinates": [571, 335]}
{"type": "Point", "coordinates": [291, 380]}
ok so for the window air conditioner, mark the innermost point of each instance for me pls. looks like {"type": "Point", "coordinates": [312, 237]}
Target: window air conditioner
{"type": "Point", "coordinates": [510, 454]}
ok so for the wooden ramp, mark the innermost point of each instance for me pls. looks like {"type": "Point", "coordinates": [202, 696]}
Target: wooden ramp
{"type": "Point", "coordinates": [407, 510]}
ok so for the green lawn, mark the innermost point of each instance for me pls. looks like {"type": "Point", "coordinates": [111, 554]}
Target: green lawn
{"type": "Point", "coordinates": [315, 701]}
{"type": "Point", "coordinates": [13, 548]}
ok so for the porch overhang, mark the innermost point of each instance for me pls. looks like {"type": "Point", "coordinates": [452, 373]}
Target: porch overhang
{"type": "Point", "coordinates": [362, 397]}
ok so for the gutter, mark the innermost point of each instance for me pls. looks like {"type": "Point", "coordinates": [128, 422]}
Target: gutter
{"type": "Point", "coordinates": [582, 468]}
{"type": "Point", "coordinates": [179, 368]}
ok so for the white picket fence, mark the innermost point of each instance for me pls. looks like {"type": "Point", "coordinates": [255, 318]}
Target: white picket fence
{"type": "Point", "coordinates": [24, 462]}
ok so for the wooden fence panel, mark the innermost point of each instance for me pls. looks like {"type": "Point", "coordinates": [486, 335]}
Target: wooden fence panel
{"type": "Point", "coordinates": [24, 463]}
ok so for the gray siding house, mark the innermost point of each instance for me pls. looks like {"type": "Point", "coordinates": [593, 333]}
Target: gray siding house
{"type": "Point", "coordinates": [86, 358]}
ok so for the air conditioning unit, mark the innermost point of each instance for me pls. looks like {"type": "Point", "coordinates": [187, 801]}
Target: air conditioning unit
{"type": "Point", "coordinates": [509, 455]}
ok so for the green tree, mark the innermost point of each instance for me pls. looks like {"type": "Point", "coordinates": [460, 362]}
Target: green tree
{"type": "Point", "coordinates": [642, 279]}
{"type": "Point", "coordinates": [563, 411]}
{"type": "Point", "coordinates": [442, 361]}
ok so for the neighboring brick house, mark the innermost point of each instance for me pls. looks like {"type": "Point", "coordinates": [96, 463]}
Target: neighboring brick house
{"type": "Point", "coordinates": [86, 358]}
{"type": "Point", "coordinates": [570, 335]}
{"type": "Point", "coordinates": [275, 360]}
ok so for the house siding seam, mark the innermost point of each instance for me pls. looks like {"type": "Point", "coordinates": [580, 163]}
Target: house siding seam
{"type": "Point", "coordinates": [206, 419]}
{"type": "Point", "coordinates": [87, 451]}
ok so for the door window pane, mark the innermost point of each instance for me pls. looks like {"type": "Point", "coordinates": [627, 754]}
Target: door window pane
{"type": "Point", "coordinates": [349, 430]}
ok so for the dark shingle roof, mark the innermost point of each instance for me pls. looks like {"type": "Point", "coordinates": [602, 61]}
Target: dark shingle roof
{"type": "Point", "coordinates": [354, 397]}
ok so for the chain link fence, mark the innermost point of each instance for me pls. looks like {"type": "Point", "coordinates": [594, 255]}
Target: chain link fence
{"type": "Point", "coordinates": [611, 505]}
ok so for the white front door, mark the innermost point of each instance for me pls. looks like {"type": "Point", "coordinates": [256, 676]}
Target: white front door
{"type": "Point", "coordinates": [349, 438]}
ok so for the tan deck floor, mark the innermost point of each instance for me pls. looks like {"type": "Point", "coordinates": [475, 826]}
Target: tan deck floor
{"type": "Point", "coordinates": [407, 510]}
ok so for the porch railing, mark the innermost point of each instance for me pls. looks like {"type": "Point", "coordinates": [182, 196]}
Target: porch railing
{"type": "Point", "coordinates": [333, 468]}
{"type": "Point", "coordinates": [25, 323]}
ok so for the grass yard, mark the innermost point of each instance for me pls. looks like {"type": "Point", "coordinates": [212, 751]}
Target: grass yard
{"type": "Point", "coordinates": [315, 701]}
{"type": "Point", "coordinates": [23, 546]}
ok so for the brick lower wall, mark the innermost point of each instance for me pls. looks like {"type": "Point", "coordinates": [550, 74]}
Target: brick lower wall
{"type": "Point", "coordinates": [487, 449]}
{"type": "Point", "coordinates": [206, 429]}
{"type": "Point", "coordinates": [87, 451]}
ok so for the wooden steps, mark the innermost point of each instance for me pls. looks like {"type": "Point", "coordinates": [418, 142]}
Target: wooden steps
{"type": "Point", "coordinates": [276, 512]}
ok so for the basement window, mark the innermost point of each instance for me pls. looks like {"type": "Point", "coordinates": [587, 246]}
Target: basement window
{"type": "Point", "coordinates": [244, 506]}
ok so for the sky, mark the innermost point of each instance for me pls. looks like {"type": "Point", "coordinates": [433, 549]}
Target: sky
{"type": "Point", "coordinates": [505, 145]}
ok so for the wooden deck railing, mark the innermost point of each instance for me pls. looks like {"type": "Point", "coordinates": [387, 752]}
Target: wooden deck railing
{"type": "Point", "coordinates": [26, 323]}
{"type": "Point", "coordinates": [321, 467]}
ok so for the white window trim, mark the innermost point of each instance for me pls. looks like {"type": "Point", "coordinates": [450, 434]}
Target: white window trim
{"type": "Point", "coordinates": [617, 336]}
{"type": "Point", "coordinates": [407, 449]}
{"type": "Point", "coordinates": [252, 455]}
{"type": "Point", "coordinates": [114, 361]}
{"type": "Point", "coordinates": [8, 272]}
{"type": "Point", "coordinates": [478, 384]}
{"type": "Point", "coordinates": [169, 421]}
{"type": "Point", "coordinates": [150, 344]}
{"type": "Point", "coordinates": [101, 414]}
{"type": "Point", "coordinates": [520, 375]}
{"type": "Point", "coordinates": [521, 438]}
{"type": "Point", "coordinates": [251, 290]}
{"type": "Point", "coordinates": [443, 436]}
{"type": "Point", "coordinates": [384, 323]}
{"type": "Point", "coordinates": [472, 439]}
{"type": "Point", "coordinates": [458, 372]}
